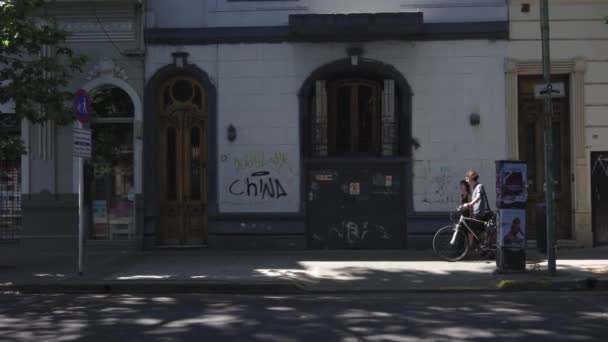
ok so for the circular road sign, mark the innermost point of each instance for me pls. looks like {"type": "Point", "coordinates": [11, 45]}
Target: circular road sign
{"type": "Point", "coordinates": [82, 105]}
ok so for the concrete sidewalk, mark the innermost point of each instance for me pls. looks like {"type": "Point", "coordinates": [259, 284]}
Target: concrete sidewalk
{"type": "Point", "coordinates": [166, 271]}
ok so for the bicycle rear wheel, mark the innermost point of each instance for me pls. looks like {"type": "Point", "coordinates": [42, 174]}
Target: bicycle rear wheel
{"type": "Point", "coordinates": [447, 251]}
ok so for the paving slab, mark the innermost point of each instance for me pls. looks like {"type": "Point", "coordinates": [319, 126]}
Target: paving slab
{"type": "Point", "coordinates": [303, 271]}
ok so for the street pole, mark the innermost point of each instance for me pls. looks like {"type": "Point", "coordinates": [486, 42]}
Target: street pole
{"type": "Point", "coordinates": [548, 130]}
{"type": "Point", "coordinates": [80, 214]}
{"type": "Point", "coordinates": [80, 209]}
{"type": "Point", "coordinates": [81, 140]}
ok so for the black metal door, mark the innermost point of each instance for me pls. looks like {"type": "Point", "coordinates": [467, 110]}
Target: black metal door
{"type": "Point", "coordinates": [599, 195]}
{"type": "Point", "coordinates": [10, 199]}
{"type": "Point", "coordinates": [356, 207]}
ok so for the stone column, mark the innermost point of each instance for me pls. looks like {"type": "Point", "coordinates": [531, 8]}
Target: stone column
{"type": "Point", "coordinates": [581, 185]}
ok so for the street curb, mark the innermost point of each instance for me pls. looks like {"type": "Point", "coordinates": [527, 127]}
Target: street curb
{"type": "Point", "coordinates": [289, 288]}
{"type": "Point", "coordinates": [583, 284]}
{"type": "Point", "coordinates": [152, 287]}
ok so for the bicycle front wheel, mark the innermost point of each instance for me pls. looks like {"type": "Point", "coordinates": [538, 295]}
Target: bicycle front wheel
{"type": "Point", "coordinates": [445, 249]}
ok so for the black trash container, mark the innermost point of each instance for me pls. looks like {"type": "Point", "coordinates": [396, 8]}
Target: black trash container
{"type": "Point", "coordinates": [541, 227]}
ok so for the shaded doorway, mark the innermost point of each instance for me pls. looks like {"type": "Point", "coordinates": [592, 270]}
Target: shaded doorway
{"type": "Point", "coordinates": [599, 197]}
{"type": "Point", "coordinates": [531, 150]}
{"type": "Point", "coordinates": [357, 150]}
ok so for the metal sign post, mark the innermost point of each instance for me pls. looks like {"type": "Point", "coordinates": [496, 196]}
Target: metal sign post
{"type": "Point", "coordinates": [548, 113]}
{"type": "Point", "coordinates": [81, 149]}
{"type": "Point", "coordinates": [80, 214]}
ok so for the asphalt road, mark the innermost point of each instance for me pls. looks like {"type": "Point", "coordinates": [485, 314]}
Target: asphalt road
{"type": "Point", "coordinates": [546, 316]}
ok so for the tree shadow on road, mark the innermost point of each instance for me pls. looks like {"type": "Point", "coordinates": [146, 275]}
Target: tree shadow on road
{"type": "Point", "coordinates": [439, 317]}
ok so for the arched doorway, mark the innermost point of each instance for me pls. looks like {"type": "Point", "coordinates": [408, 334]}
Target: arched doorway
{"type": "Point", "coordinates": [171, 93]}
{"type": "Point", "coordinates": [182, 162]}
{"type": "Point", "coordinates": [357, 144]}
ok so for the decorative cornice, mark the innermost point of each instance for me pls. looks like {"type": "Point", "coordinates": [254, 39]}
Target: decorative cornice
{"type": "Point", "coordinates": [180, 58]}
{"type": "Point", "coordinates": [96, 30]}
{"type": "Point", "coordinates": [498, 30]}
{"type": "Point", "coordinates": [536, 67]}
{"type": "Point", "coordinates": [108, 26]}
{"type": "Point", "coordinates": [448, 4]}
{"type": "Point", "coordinates": [107, 67]}
{"type": "Point", "coordinates": [510, 65]}
{"type": "Point", "coordinates": [86, 8]}
{"type": "Point", "coordinates": [580, 64]}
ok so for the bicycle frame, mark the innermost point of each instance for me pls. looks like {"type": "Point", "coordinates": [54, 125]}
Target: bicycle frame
{"type": "Point", "coordinates": [463, 222]}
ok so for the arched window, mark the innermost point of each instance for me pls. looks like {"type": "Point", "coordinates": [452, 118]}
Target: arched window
{"type": "Point", "coordinates": [110, 174]}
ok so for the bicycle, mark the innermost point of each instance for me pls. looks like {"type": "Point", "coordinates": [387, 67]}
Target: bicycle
{"type": "Point", "coordinates": [451, 242]}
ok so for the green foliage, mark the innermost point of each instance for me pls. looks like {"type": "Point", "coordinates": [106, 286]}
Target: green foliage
{"type": "Point", "coordinates": [11, 147]}
{"type": "Point", "coordinates": [36, 83]}
{"type": "Point", "coordinates": [109, 152]}
{"type": "Point", "coordinates": [110, 101]}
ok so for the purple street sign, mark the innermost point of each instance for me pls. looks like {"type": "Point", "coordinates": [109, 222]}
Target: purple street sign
{"type": "Point", "coordinates": [82, 105]}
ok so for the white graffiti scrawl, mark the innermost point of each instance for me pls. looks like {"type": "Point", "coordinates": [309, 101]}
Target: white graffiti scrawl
{"type": "Point", "coordinates": [443, 192]}
{"type": "Point", "coordinates": [352, 232]}
{"type": "Point", "coordinates": [600, 165]}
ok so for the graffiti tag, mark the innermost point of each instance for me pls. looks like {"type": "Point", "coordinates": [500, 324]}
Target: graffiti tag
{"type": "Point", "coordinates": [352, 232]}
{"type": "Point", "coordinates": [277, 162]}
{"type": "Point", "coordinates": [260, 185]}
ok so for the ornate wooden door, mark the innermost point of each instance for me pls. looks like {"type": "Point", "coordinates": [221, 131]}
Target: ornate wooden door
{"type": "Point", "coordinates": [531, 150]}
{"type": "Point", "coordinates": [183, 168]}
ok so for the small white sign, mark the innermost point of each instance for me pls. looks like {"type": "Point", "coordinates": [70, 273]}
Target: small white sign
{"type": "Point", "coordinates": [100, 211]}
{"type": "Point", "coordinates": [324, 177]}
{"type": "Point", "coordinates": [550, 90]}
{"type": "Point", "coordinates": [388, 181]}
{"type": "Point", "coordinates": [82, 142]}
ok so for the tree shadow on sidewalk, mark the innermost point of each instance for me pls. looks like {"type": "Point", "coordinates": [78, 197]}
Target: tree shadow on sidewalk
{"type": "Point", "coordinates": [393, 269]}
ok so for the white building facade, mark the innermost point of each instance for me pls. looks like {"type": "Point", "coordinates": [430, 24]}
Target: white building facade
{"type": "Point", "coordinates": [316, 124]}
{"type": "Point", "coordinates": [324, 124]}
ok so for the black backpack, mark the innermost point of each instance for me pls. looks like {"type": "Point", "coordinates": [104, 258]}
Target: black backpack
{"type": "Point", "coordinates": [488, 215]}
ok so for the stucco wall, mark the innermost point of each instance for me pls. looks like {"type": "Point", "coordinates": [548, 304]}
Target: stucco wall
{"type": "Point", "coordinates": [579, 34]}
{"type": "Point", "coordinates": [198, 13]}
{"type": "Point", "coordinates": [258, 88]}
{"type": "Point", "coordinates": [49, 183]}
{"type": "Point", "coordinates": [53, 171]}
{"type": "Point", "coordinates": [578, 30]}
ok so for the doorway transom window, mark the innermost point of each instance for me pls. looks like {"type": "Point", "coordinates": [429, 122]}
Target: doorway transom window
{"type": "Point", "coordinates": [354, 117]}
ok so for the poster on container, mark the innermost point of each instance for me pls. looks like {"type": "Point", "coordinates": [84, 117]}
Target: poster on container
{"type": "Point", "coordinates": [100, 211]}
{"type": "Point", "coordinates": [512, 230]}
{"type": "Point", "coordinates": [511, 184]}
{"type": "Point", "coordinates": [121, 212]}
